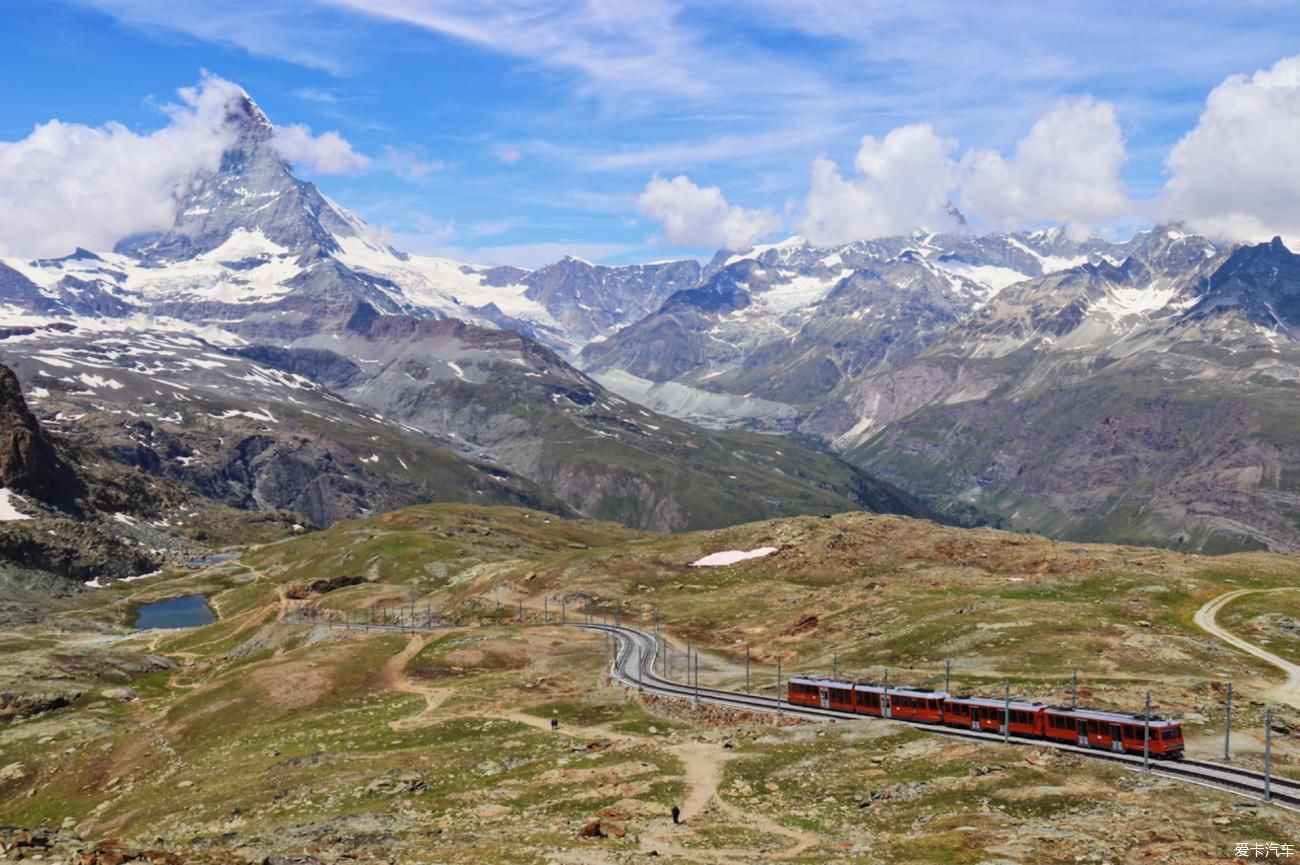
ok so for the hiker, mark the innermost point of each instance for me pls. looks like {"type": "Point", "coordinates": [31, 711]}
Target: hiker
{"type": "Point", "coordinates": [555, 724]}
{"type": "Point", "coordinates": [677, 814]}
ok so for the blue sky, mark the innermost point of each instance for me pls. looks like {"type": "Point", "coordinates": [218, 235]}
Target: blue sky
{"type": "Point", "coordinates": [519, 130]}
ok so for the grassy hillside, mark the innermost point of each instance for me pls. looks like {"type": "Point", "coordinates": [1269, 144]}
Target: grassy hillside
{"type": "Point", "coordinates": [270, 739]}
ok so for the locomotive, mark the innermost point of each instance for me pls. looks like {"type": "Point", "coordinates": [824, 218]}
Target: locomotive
{"type": "Point", "coordinates": [1088, 728]}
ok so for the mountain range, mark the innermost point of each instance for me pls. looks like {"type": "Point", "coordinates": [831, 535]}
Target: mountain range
{"type": "Point", "coordinates": [271, 351]}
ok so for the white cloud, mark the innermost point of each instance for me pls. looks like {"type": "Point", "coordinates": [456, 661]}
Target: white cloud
{"type": "Point", "coordinates": [411, 163]}
{"type": "Point", "coordinates": [327, 153]}
{"type": "Point", "coordinates": [700, 215]}
{"type": "Point", "coordinates": [510, 155]}
{"type": "Point", "coordinates": [905, 183]}
{"type": "Point", "coordinates": [1066, 170]}
{"type": "Point", "coordinates": [1234, 174]}
{"type": "Point", "coordinates": [67, 185]}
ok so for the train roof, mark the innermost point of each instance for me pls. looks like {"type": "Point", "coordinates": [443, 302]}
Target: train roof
{"type": "Point", "coordinates": [1018, 705]}
{"type": "Point", "coordinates": [918, 692]}
{"type": "Point", "coordinates": [820, 680]}
{"type": "Point", "coordinates": [1114, 717]}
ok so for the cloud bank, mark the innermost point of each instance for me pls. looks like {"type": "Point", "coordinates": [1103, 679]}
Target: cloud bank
{"type": "Point", "coordinates": [67, 185]}
{"type": "Point", "coordinates": [904, 183]}
{"type": "Point", "coordinates": [700, 216]}
{"type": "Point", "coordinates": [327, 153]}
{"type": "Point", "coordinates": [1234, 175]}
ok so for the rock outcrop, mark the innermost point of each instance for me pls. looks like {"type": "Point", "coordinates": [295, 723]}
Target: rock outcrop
{"type": "Point", "coordinates": [30, 463]}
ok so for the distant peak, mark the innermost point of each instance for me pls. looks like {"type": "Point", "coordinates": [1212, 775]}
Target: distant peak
{"type": "Point", "coordinates": [245, 115]}
{"type": "Point", "coordinates": [1276, 244]}
{"type": "Point", "coordinates": [957, 216]}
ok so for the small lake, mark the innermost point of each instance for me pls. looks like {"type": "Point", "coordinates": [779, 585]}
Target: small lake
{"type": "Point", "coordinates": [187, 612]}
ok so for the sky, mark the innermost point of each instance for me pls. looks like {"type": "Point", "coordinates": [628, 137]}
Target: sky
{"type": "Point", "coordinates": [518, 131]}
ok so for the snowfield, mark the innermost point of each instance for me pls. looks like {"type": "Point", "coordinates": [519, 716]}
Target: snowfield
{"type": "Point", "coordinates": [730, 557]}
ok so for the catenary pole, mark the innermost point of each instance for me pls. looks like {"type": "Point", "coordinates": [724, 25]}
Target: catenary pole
{"type": "Point", "coordinates": [1146, 734]}
{"type": "Point", "coordinates": [1006, 711]}
{"type": "Point", "coordinates": [1227, 725]}
{"type": "Point", "coordinates": [1268, 754]}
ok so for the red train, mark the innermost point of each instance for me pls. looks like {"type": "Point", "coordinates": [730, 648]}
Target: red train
{"type": "Point", "coordinates": [1112, 731]}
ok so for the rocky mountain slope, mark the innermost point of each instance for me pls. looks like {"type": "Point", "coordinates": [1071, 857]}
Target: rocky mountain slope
{"type": "Point", "coordinates": [771, 332]}
{"type": "Point", "coordinates": [1150, 401]}
{"type": "Point", "coordinates": [69, 516]}
{"type": "Point", "coordinates": [269, 351]}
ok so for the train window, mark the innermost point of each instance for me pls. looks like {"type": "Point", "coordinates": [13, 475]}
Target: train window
{"type": "Point", "coordinates": [1169, 733]}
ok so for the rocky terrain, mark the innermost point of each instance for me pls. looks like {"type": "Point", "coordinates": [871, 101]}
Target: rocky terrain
{"type": "Point", "coordinates": [1144, 403]}
{"type": "Point", "coordinates": [69, 518]}
{"type": "Point", "coordinates": [253, 741]}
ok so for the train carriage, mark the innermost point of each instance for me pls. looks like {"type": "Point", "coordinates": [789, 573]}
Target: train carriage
{"type": "Point", "coordinates": [907, 704]}
{"type": "Point", "coordinates": [871, 700]}
{"type": "Point", "coordinates": [821, 693]}
{"type": "Point", "coordinates": [1114, 731]}
{"type": "Point", "coordinates": [984, 713]}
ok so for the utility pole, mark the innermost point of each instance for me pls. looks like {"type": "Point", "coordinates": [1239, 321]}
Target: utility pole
{"type": "Point", "coordinates": [1227, 725]}
{"type": "Point", "coordinates": [546, 609]}
{"type": "Point", "coordinates": [835, 665]}
{"type": "Point", "coordinates": [1074, 689]}
{"type": "Point", "coordinates": [884, 700]}
{"type": "Point", "coordinates": [562, 619]}
{"type": "Point", "coordinates": [1268, 754]}
{"type": "Point", "coordinates": [747, 669]}
{"type": "Point", "coordinates": [688, 662]}
{"type": "Point", "coordinates": [1006, 711]}
{"type": "Point", "coordinates": [947, 675]}
{"type": "Point", "coordinates": [697, 680]}
{"type": "Point", "coordinates": [1146, 734]}
{"type": "Point", "coordinates": [778, 686]}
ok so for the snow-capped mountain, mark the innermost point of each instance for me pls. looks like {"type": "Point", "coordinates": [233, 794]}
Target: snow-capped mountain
{"type": "Point", "coordinates": [774, 329]}
{"type": "Point", "coordinates": [1139, 401]}
{"type": "Point", "coordinates": [270, 350]}
{"type": "Point", "coordinates": [273, 351]}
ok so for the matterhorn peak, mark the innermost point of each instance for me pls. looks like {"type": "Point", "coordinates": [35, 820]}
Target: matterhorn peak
{"type": "Point", "coordinates": [246, 116]}
{"type": "Point", "coordinates": [253, 191]}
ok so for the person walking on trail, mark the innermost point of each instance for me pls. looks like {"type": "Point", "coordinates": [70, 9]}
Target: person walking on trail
{"type": "Point", "coordinates": [677, 815]}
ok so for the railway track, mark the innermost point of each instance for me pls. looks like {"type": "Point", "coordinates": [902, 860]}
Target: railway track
{"type": "Point", "coordinates": [634, 662]}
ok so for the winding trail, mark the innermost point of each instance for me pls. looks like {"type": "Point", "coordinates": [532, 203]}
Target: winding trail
{"type": "Point", "coordinates": [394, 676]}
{"type": "Point", "coordinates": [1289, 692]}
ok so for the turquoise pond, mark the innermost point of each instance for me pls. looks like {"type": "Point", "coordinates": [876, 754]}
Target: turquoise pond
{"type": "Point", "coordinates": [187, 612]}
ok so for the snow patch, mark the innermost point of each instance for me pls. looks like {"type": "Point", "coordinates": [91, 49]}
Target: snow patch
{"type": "Point", "coordinates": [730, 557]}
{"type": "Point", "coordinates": [8, 512]}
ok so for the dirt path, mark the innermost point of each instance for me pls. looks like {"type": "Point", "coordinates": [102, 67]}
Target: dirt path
{"type": "Point", "coordinates": [705, 764]}
{"type": "Point", "coordinates": [393, 675]}
{"type": "Point", "coordinates": [1289, 692]}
